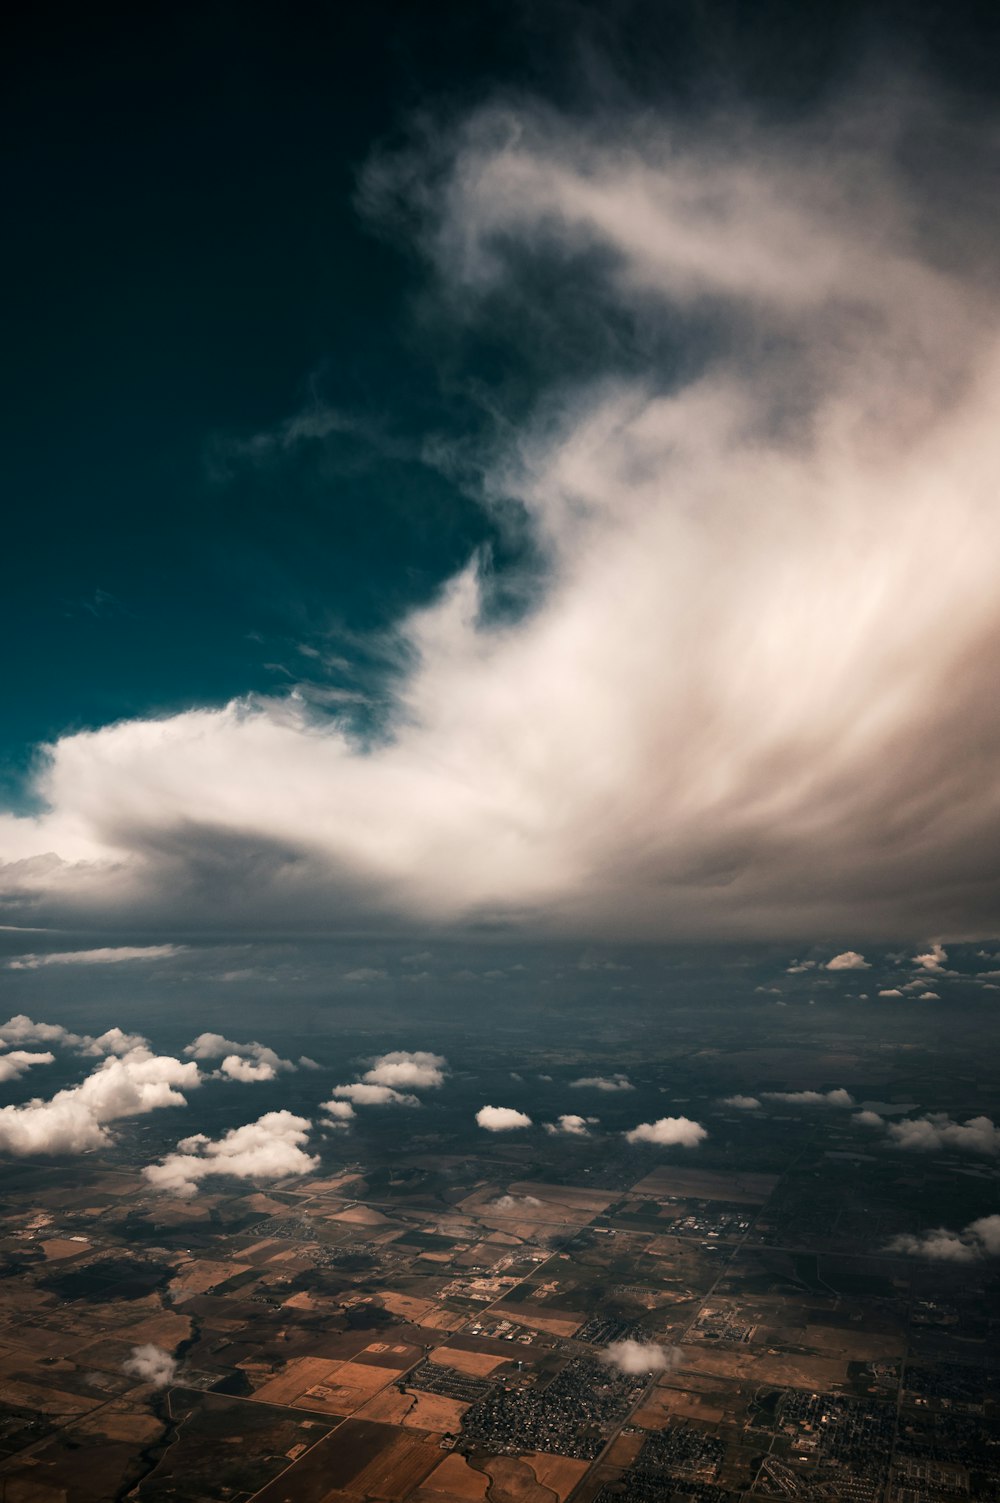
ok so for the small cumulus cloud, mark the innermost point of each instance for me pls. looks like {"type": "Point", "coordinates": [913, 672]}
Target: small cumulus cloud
{"type": "Point", "coordinates": [270, 1148]}
{"type": "Point", "coordinates": [980, 1239]}
{"type": "Point", "coordinates": [742, 1103]}
{"type": "Point", "coordinates": [338, 1113]}
{"type": "Point", "coordinates": [572, 1125]}
{"type": "Point", "coordinates": [890, 991]}
{"type": "Point", "coordinates": [501, 1118]}
{"type": "Point", "coordinates": [247, 1063]}
{"type": "Point", "coordinates": [868, 1119]}
{"type": "Point", "coordinates": [640, 1357]}
{"type": "Point", "coordinates": [932, 959]}
{"type": "Point", "coordinates": [417, 1069]}
{"type": "Point", "coordinates": [937, 1131]}
{"type": "Point", "coordinates": [848, 960]}
{"type": "Point", "coordinates": [837, 1097]}
{"type": "Point", "coordinates": [616, 1082]}
{"type": "Point", "coordinates": [364, 1093]}
{"type": "Point", "coordinates": [150, 1364]}
{"type": "Point", "coordinates": [517, 1203]}
{"type": "Point", "coordinates": [19, 1061]}
{"type": "Point", "coordinates": [668, 1131]}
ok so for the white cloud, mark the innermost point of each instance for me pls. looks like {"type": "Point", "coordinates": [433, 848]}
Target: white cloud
{"type": "Point", "coordinates": [650, 750]}
{"type": "Point", "coordinates": [868, 1119]}
{"type": "Point", "coordinates": [113, 1041]}
{"type": "Point", "coordinates": [77, 1118]}
{"type": "Point", "coordinates": [928, 997]}
{"type": "Point", "coordinates": [270, 1148]}
{"type": "Point", "coordinates": [501, 1118]}
{"type": "Point", "coordinates": [338, 1113]}
{"type": "Point", "coordinates": [403, 1068]}
{"type": "Point", "coordinates": [742, 1103]}
{"type": "Point", "coordinates": [574, 1126]}
{"type": "Point", "coordinates": [936, 1131]}
{"type": "Point", "coordinates": [668, 1131]}
{"type": "Point", "coordinates": [247, 1063]}
{"type": "Point", "coordinates": [640, 1357]}
{"type": "Point", "coordinates": [616, 1082]}
{"type": "Point", "coordinates": [891, 991]}
{"type": "Point", "coordinates": [837, 1097]}
{"type": "Point", "coordinates": [151, 1364]}
{"type": "Point", "coordinates": [365, 1094]}
{"type": "Point", "coordinates": [364, 974]}
{"type": "Point", "coordinates": [980, 1239]}
{"type": "Point", "coordinates": [848, 960]}
{"type": "Point", "coordinates": [932, 959]}
{"type": "Point", "coordinates": [516, 1203]}
{"type": "Point", "coordinates": [107, 956]}
{"type": "Point", "coordinates": [19, 1061]}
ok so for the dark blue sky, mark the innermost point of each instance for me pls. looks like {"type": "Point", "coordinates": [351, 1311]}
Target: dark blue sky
{"type": "Point", "coordinates": [186, 264]}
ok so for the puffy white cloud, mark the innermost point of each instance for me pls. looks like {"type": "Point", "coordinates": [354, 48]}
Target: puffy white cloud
{"type": "Point", "coordinates": [501, 1118]}
{"type": "Point", "coordinates": [890, 991]}
{"type": "Point", "coordinates": [932, 959]}
{"type": "Point", "coordinates": [849, 960]}
{"type": "Point", "coordinates": [151, 1364]}
{"type": "Point", "coordinates": [338, 1113]}
{"type": "Point", "coordinates": [270, 1148]}
{"type": "Point", "coordinates": [77, 1118]}
{"type": "Point", "coordinates": [569, 1123]}
{"type": "Point", "coordinates": [837, 1097]}
{"type": "Point", "coordinates": [364, 1094]}
{"type": "Point", "coordinates": [668, 1131]}
{"type": "Point", "coordinates": [19, 1061]}
{"type": "Point", "coordinates": [107, 956]}
{"type": "Point", "coordinates": [937, 1131]}
{"type": "Point", "coordinates": [868, 1119]}
{"type": "Point", "coordinates": [23, 1030]}
{"type": "Point", "coordinates": [980, 1239]}
{"type": "Point", "coordinates": [640, 1357]}
{"type": "Point", "coordinates": [616, 1082]}
{"type": "Point", "coordinates": [248, 1063]}
{"type": "Point", "coordinates": [652, 749]}
{"type": "Point", "coordinates": [113, 1041]}
{"type": "Point", "coordinates": [403, 1068]}
{"type": "Point", "coordinates": [742, 1103]}
{"type": "Point", "coordinates": [516, 1203]}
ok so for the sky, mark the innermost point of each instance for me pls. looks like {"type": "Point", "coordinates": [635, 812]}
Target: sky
{"type": "Point", "coordinates": [511, 473]}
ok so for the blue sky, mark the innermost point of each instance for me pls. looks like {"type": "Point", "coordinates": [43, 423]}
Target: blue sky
{"type": "Point", "coordinates": [457, 394]}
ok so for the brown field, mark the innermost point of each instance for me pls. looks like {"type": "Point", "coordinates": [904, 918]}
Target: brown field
{"type": "Point", "coordinates": [456, 1477]}
{"type": "Point", "coordinates": [414, 1410]}
{"type": "Point", "coordinates": [583, 1202]}
{"type": "Point", "coordinates": [422, 1312]}
{"type": "Point", "coordinates": [299, 1374]}
{"type": "Point", "coordinates": [401, 1465]}
{"type": "Point", "coordinates": [559, 1474]}
{"type": "Point", "coordinates": [707, 1184]}
{"type": "Point", "coordinates": [202, 1274]}
{"type": "Point", "coordinates": [119, 1422]}
{"type": "Point", "coordinates": [361, 1216]}
{"type": "Point", "coordinates": [477, 1363]}
{"type": "Point", "coordinates": [780, 1368]}
{"type": "Point", "coordinates": [625, 1448]}
{"type": "Point", "coordinates": [562, 1323]}
{"type": "Point", "coordinates": [62, 1247]}
{"type": "Point", "coordinates": [346, 1389]}
{"type": "Point", "coordinates": [670, 1403]}
{"type": "Point", "coordinates": [856, 1346]}
{"type": "Point", "coordinates": [45, 1398]}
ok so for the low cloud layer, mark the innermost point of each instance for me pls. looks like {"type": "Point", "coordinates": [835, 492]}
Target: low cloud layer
{"type": "Point", "coordinates": [616, 1082]}
{"type": "Point", "coordinates": [742, 1103]}
{"type": "Point", "coordinates": [937, 1131]}
{"type": "Point", "coordinates": [501, 1118]}
{"type": "Point", "coordinates": [115, 955]}
{"type": "Point", "coordinates": [270, 1148]}
{"type": "Point", "coordinates": [980, 1239]}
{"type": "Point", "coordinates": [753, 691]}
{"type": "Point", "coordinates": [668, 1131]}
{"type": "Point", "coordinates": [838, 1097]}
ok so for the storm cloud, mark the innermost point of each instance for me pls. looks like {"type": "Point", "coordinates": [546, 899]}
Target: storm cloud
{"type": "Point", "coordinates": [753, 693]}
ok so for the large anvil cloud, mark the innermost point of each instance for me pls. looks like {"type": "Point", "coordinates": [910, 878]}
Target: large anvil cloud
{"type": "Point", "coordinates": [756, 691]}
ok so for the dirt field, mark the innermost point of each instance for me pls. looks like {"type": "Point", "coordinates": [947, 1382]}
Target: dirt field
{"type": "Point", "coordinates": [422, 1312]}
{"type": "Point", "coordinates": [856, 1346]}
{"type": "Point", "coordinates": [707, 1184]}
{"type": "Point", "coordinates": [361, 1216]}
{"type": "Point", "coordinates": [455, 1477]}
{"type": "Point", "coordinates": [627, 1447]}
{"type": "Point", "coordinates": [559, 1474]}
{"type": "Point", "coordinates": [400, 1465]}
{"type": "Point", "coordinates": [478, 1363]}
{"type": "Point", "coordinates": [346, 1389]}
{"type": "Point", "coordinates": [301, 1373]}
{"type": "Point", "coordinates": [414, 1410]}
{"type": "Point", "coordinates": [202, 1274]}
{"type": "Point", "coordinates": [670, 1403]}
{"type": "Point", "coordinates": [781, 1369]}
{"type": "Point", "coordinates": [562, 1323]}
